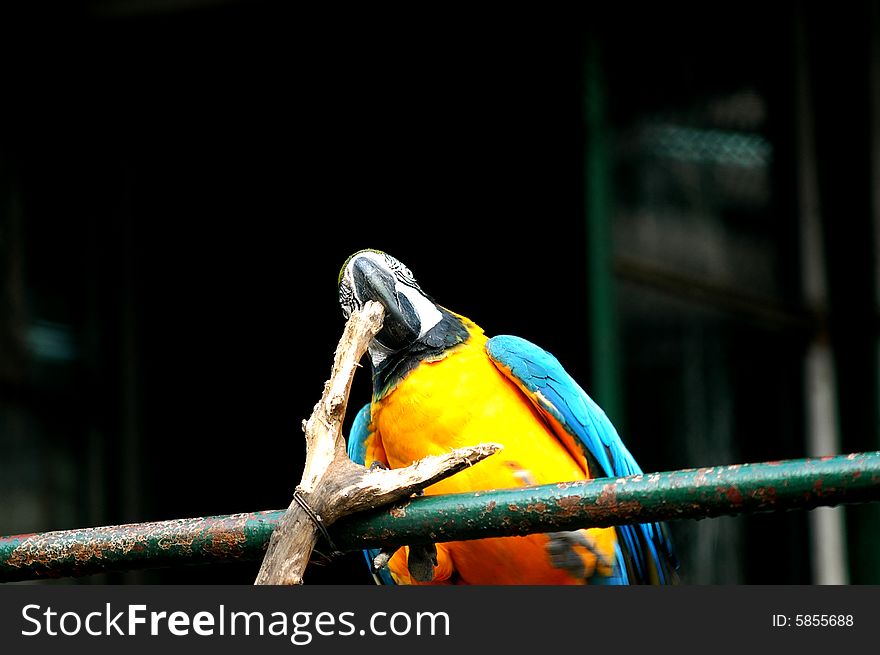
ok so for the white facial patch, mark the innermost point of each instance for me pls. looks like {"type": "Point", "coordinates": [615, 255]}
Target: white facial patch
{"type": "Point", "coordinates": [428, 313]}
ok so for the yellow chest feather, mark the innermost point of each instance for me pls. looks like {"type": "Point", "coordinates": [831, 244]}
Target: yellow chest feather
{"type": "Point", "coordinates": [463, 399]}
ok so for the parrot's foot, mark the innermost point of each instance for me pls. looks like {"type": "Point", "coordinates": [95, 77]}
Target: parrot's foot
{"type": "Point", "coordinates": [421, 562]}
{"type": "Point", "coordinates": [578, 553]}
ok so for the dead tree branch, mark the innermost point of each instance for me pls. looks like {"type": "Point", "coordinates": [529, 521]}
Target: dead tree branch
{"type": "Point", "coordinates": [333, 486]}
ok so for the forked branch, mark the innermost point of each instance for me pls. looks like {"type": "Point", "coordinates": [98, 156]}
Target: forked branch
{"type": "Point", "coordinates": [333, 486]}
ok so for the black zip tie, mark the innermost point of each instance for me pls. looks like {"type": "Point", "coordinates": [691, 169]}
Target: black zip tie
{"type": "Point", "coordinates": [319, 523]}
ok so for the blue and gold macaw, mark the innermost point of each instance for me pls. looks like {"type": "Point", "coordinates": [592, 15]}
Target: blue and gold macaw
{"type": "Point", "coordinates": [439, 383]}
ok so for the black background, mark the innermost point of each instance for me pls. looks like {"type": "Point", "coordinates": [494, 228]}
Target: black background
{"type": "Point", "coordinates": [203, 175]}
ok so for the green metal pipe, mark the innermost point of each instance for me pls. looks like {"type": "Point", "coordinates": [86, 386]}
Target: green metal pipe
{"type": "Point", "coordinates": [686, 494]}
{"type": "Point", "coordinates": [73, 553]}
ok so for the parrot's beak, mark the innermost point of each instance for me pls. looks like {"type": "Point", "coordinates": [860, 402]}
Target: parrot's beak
{"type": "Point", "coordinates": [374, 282]}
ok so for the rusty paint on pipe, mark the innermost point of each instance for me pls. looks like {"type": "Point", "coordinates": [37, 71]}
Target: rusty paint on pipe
{"type": "Point", "coordinates": [71, 553]}
{"type": "Point", "coordinates": [686, 494]}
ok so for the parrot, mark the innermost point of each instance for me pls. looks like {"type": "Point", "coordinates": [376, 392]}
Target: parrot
{"type": "Point", "coordinates": [439, 383]}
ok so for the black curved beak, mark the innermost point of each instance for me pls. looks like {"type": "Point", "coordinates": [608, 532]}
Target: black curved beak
{"type": "Point", "coordinates": [372, 282]}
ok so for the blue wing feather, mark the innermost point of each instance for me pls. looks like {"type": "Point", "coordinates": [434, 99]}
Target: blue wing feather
{"type": "Point", "coordinates": [357, 452]}
{"type": "Point", "coordinates": [357, 438]}
{"type": "Point", "coordinates": [553, 390]}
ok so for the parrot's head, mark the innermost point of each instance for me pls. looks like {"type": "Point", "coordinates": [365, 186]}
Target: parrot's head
{"type": "Point", "coordinates": [409, 313]}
